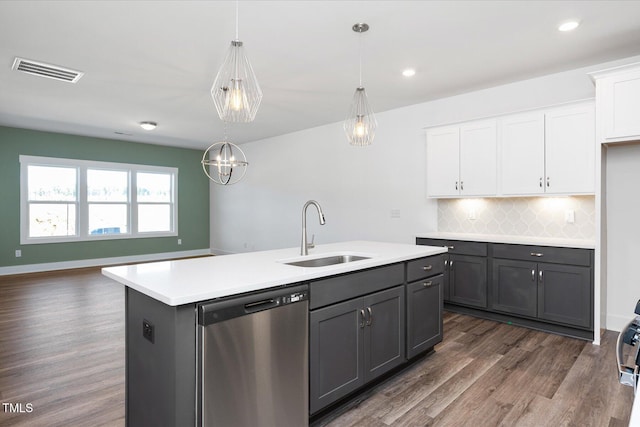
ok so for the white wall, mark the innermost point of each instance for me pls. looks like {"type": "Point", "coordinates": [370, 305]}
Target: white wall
{"type": "Point", "coordinates": [623, 233]}
{"type": "Point", "coordinates": [358, 187]}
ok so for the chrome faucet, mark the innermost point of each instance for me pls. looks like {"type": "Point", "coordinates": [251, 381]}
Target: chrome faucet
{"type": "Point", "coordinates": [304, 247]}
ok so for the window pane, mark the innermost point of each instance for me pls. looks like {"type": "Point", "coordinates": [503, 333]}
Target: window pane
{"type": "Point", "coordinates": [107, 186]}
{"type": "Point", "coordinates": [51, 183]}
{"type": "Point", "coordinates": [154, 187]}
{"type": "Point", "coordinates": [108, 219]}
{"type": "Point", "coordinates": [154, 218]}
{"type": "Point", "coordinates": [52, 219]}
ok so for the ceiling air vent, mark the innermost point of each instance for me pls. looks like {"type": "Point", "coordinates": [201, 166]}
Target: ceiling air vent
{"type": "Point", "coordinates": [46, 70]}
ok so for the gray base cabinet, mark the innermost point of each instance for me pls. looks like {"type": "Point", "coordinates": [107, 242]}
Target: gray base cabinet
{"type": "Point", "coordinates": [353, 342]}
{"type": "Point", "coordinates": [514, 286]}
{"type": "Point", "coordinates": [424, 315]}
{"type": "Point", "coordinates": [564, 294]}
{"type": "Point", "coordinates": [468, 280]}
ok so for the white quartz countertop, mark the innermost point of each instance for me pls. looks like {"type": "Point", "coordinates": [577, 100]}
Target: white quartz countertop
{"type": "Point", "coordinates": [199, 279]}
{"type": "Point", "coordinates": [518, 240]}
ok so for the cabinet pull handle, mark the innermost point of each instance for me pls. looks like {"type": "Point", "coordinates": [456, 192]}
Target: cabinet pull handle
{"type": "Point", "coordinates": [427, 267]}
{"type": "Point", "coordinates": [538, 254]}
{"type": "Point", "coordinates": [450, 247]}
{"type": "Point", "coordinates": [446, 263]}
{"type": "Point", "coordinates": [456, 185]}
{"type": "Point", "coordinates": [461, 185]}
{"type": "Point", "coordinates": [547, 181]}
{"type": "Point", "coordinates": [533, 275]}
{"type": "Point", "coordinates": [370, 321]}
{"type": "Point", "coordinates": [540, 274]}
{"type": "Point", "coordinates": [540, 183]}
{"type": "Point", "coordinates": [363, 319]}
{"type": "Point", "coordinates": [450, 265]}
{"type": "Point", "coordinates": [427, 284]}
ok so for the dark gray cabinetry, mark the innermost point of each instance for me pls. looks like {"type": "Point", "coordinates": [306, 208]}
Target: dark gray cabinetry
{"type": "Point", "coordinates": [465, 271]}
{"type": "Point", "coordinates": [354, 341]}
{"type": "Point", "coordinates": [558, 290]}
{"type": "Point", "coordinates": [424, 314]}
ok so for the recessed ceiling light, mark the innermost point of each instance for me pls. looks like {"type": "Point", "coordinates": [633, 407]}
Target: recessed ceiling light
{"type": "Point", "coordinates": [568, 26]}
{"type": "Point", "coordinates": [409, 72]}
{"type": "Point", "coordinates": [148, 125]}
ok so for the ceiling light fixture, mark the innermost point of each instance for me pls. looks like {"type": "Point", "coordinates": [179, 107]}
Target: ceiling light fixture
{"type": "Point", "coordinates": [409, 72]}
{"type": "Point", "coordinates": [235, 91]}
{"type": "Point", "coordinates": [148, 125]}
{"type": "Point", "coordinates": [568, 26]}
{"type": "Point", "coordinates": [360, 125]}
{"type": "Point", "coordinates": [224, 163]}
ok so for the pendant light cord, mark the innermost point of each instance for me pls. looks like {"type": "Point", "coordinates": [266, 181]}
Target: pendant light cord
{"type": "Point", "coordinates": [237, 20]}
{"type": "Point", "coordinates": [360, 55]}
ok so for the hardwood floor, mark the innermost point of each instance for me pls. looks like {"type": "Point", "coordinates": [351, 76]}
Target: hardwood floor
{"type": "Point", "coordinates": [62, 350]}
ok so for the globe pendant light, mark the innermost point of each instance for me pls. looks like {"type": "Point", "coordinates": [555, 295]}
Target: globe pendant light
{"type": "Point", "coordinates": [360, 125]}
{"type": "Point", "coordinates": [235, 91]}
{"type": "Point", "coordinates": [224, 163]}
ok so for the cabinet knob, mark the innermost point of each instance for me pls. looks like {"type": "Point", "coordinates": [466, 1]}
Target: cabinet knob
{"type": "Point", "coordinates": [537, 254]}
{"type": "Point", "coordinates": [427, 284]}
{"type": "Point", "coordinates": [427, 267]}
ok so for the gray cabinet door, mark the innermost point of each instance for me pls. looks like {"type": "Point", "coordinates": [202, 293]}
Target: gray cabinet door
{"type": "Point", "coordinates": [384, 333]}
{"type": "Point", "coordinates": [424, 315]}
{"type": "Point", "coordinates": [468, 280]}
{"type": "Point", "coordinates": [335, 361]}
{"type": "Point", "coordinates": [514, 287]}
{"type": "Point", "coordinates": [564, 294]}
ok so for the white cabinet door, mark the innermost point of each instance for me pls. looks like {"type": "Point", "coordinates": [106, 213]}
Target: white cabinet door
{"type": "Point", "coordinates": [522, 159]}
{"type": "Point", "coordinates": [570, 150]}
{"type": "Point", "coordinates": [478, 164]}
{"type": "Point", "coordinates": [443, 161]}
{"type": "Point", "coordinates": [620, 105]}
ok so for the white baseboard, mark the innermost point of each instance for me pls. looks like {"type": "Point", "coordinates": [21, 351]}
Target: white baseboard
{"type": "Point", "coordinates": [216, 251]}
{"type": "Point", "coordinates": [617, 323]}
{"type": "Point", "coordinates": [97, 262]}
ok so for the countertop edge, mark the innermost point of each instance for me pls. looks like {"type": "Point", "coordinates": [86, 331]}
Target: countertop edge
{"type": "Point", "coordinates": [509, 239]}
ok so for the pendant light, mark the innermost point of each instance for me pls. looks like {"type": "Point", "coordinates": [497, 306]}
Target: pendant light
{"type": "Point", "coordinates": [360, 125]}
{"type": "Point", "coordinates": [224, 163]}
{"type": "Point", "coordinates": [235, 91]}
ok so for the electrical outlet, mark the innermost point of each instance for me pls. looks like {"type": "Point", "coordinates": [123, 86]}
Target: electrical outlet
{"type": "Point", "coordinates": [570, 216]}
{"type": "Point", "coordinates": [472, 214]}
{"type": "Point", "coordinates": [395, 213]}
{"type": "Point", "coordinates": [18, 253]}
{"type": "Point", "coordinates": [179, 241]}
{"type": "Point", "coordinates": [148, 330]}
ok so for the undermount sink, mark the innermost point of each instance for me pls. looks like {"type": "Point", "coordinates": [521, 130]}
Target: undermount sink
{"type": "Point", "coordinates": [329, 260]}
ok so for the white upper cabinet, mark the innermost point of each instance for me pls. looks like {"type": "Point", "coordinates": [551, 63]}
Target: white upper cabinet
{"type": "Point", "coordinates": [522, 159]}
{"type": "Point", "coordinates": [618, 98]}
{"type": "Point", "coordinates": [478, 164]}
{"type": "Point", "coordinates": [570, 150]}
{"type": "Point", "coordinates": [461, 160]}
{"type": "Point", "coordinates": [549, 152]}
{"type": "Point", "coordinates": [443, 161]}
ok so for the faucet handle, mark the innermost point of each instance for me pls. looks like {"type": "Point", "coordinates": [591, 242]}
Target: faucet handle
{"type": "Point", "coordinates": [311, 245]}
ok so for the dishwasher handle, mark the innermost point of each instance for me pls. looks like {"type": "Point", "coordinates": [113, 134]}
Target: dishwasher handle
{"type": "Point", "coordinates": [236, 306]}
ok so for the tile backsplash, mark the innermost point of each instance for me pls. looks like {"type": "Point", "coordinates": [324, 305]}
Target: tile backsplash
{"type": "Point", "coordinates": [520, 216]}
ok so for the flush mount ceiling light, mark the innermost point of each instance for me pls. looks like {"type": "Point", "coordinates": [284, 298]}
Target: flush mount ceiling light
{"type": "Point", "coordinates": [224, 163]}
{"type": "Point", "coordinates": [148, 125]}
{"type": "Point", "coordinates": [568, 26]}
{"type": "Point", "coordinates": [360, 125]}
{"type": "Point", "coordinates": [235, 91]}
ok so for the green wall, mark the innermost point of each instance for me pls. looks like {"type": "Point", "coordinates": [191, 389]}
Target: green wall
{"type": "Point", "coordinates": [193, 195]}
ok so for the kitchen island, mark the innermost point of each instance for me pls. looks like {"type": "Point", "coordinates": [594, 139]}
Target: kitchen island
{"type": "Point", "coordinates": [163, 336]}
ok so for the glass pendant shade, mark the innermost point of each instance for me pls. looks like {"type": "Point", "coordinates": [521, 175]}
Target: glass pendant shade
{"type": "Point", "coordinates": [224, 163]}
{"type": "Point", "coordinates": [360, 125]}
{"type": "Point", "coordinates": [235, 91]}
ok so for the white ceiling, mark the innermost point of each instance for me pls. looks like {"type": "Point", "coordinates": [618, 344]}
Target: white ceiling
{"type": "Point", "coordinates": [156, 60]}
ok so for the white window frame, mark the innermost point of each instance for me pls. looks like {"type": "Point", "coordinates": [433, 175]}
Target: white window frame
{"type": "Point", "coordinates": [82, 213]}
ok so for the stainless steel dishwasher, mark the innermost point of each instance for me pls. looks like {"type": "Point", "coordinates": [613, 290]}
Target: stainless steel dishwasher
{"type": "Point", "coordinates": [254, 360]}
